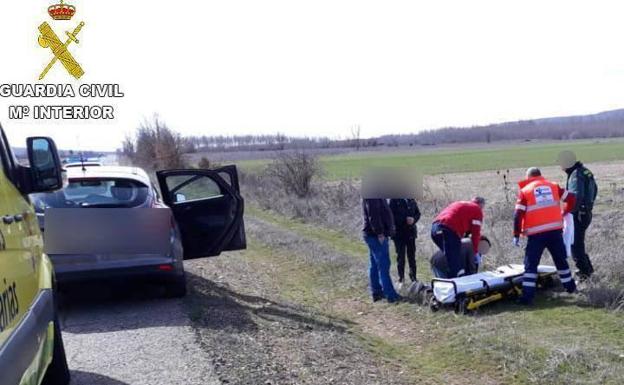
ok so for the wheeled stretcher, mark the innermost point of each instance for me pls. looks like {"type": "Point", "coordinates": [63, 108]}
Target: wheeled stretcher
{"type": "Point", "coordinates": [473, 291]}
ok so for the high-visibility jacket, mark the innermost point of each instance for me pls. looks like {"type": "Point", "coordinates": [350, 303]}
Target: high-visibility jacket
{"type": "Point", "coordinates": [538, 207]}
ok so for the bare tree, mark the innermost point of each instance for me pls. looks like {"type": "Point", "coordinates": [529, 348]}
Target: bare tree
{"type": "Point", "coordinates": [155, 146]}
{"type": "Point", "coordinates": [204, 163]}
{"type": "Point", "coordinates": [355, 134]}
{"type": "Point", "coordinates": [281, 140]}
{"type": "Point", "coordinates": [295, 171]}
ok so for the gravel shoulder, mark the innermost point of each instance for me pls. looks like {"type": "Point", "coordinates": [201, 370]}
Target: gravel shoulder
{"type": "Point", "coordinates": [115, 339]}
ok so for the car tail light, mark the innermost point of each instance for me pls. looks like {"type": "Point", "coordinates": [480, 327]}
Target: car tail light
{"type": "Point", "coordinates": [165, 267]}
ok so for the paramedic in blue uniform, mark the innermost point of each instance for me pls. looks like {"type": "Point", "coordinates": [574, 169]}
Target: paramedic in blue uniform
{"type": "Point", "coordinates": [539, 216]}
{"type": "Point", "coordinates": [378, 227]}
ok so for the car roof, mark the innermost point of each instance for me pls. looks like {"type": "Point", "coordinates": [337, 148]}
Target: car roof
{"type": "Point", "coordinates": [134, 173]}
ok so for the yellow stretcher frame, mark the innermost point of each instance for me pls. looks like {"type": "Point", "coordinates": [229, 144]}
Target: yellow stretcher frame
{"type": "Point", "coordinates": [472, 300]}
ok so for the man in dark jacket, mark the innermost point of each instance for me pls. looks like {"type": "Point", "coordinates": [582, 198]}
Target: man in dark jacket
{"type": "Point", "coordinates": [406, 214]}
{"type": "Point", "coordinates": [378, 227]}
{"type": "Point", "coordinates": [581, 183]}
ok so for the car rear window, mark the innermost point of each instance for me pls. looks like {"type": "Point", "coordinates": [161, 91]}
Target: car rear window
{"type": "Point", "coordinates": [94, 192]}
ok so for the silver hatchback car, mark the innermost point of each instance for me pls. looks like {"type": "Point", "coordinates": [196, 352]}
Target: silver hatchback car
{"type": "Point", "coordinates": [111, 222]}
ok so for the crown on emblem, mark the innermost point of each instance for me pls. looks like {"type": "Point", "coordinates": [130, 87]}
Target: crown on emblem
{"type": "Point", "coordinates": [61, 11]}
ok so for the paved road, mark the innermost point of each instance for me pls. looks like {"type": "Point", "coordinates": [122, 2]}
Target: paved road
{"type": "Point", "coordinates": [111, 339]}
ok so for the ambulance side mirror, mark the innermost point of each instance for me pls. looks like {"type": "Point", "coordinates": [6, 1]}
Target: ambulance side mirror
{"type": "Point", "coordinates": [45, 165]}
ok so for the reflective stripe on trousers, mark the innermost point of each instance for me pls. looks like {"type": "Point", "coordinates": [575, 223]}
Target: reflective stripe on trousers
{"type": "Point", "coordinates": [565, 275]}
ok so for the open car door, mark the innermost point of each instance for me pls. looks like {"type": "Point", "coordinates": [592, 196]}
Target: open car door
{"type": "Point", "coordinates": [207, 207]}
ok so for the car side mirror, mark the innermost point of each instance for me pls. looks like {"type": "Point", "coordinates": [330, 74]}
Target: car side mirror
{"type": "Point", "coordinates": [180, 198]}
{"type": "Point", "coordinates": [45, 165]}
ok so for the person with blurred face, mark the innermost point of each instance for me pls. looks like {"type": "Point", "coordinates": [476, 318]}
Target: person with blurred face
{"type": "Point", "coordinates": [378, 227]}
{"type": "Point", "coordinates": [406, 214]}
{"type": "Point", "coordinates": [451, 225]}
{"type": "Point", "coordinates": [470, 260]}
{"type": "Point", "coordinates": [538, 216]}
{"type": "Point", "coordinates": [581, 182]}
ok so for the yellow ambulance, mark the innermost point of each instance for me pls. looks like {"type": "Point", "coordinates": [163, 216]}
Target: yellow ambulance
{"type": "Point", "coordinates": [31, 347]}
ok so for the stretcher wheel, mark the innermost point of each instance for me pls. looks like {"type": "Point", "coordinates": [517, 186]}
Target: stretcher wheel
{"type": "Point", "coordinates": [461, 306]}
{"type": "Point", "coordinates": [434, 304]}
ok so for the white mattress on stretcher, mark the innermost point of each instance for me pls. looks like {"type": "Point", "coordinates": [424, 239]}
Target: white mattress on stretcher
{"type": "Point", "coordinates": [444, 292]}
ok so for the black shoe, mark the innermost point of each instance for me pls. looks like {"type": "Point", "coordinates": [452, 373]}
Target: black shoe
{"type": "Point", "coordinates": [523, 302]}
{"type": "Point", "coordinates": [580, 276]}
{"type": "Point", "coordinates": [377, 297]}
{"type": "Point", "coordinates": [397, 299]}
{"type": "Point", "coordinates": [413, 278]}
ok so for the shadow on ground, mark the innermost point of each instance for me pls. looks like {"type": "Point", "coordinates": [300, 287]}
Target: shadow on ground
{"type": "Point", "coordinates": [102, 306]}
{"type": "Point", "coordinates": [108, 306]}
{"type": "Point", "coordinates": [86, 378]}
{"type": "Point", "coordinates": [545, 299]}
{"type": "Point", "coordinates": [216, 306]}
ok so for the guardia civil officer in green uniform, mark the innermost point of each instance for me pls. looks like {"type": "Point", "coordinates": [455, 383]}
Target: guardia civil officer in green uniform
{"type": "Point", "coordinates": [582, 184]}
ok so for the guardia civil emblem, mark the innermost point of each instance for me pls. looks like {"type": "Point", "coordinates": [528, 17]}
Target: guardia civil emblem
{"type": "Point", "coordinates": [59, 49]}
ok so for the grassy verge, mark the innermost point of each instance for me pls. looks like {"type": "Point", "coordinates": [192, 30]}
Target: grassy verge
{"type": "Point", "coordinates": [557, 342]}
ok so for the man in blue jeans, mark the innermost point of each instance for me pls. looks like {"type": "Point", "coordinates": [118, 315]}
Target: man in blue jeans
{"type": "Point", "coordinates": [378, 228]}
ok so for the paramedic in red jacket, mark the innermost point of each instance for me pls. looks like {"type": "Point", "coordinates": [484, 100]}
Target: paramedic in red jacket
{"type": "Point", "coordinates": [539, 216]}
{"type": "Point", "coordinates": [451, 225]}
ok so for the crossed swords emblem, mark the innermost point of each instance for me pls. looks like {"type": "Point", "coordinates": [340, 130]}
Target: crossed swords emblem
{"type": "Point", "coordinates": [49, 39]}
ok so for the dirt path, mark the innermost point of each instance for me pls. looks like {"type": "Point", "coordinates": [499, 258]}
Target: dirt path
{"type": "Point", "coordinates": [272, 341]}
{"type": "Point", "coordinates": [239, 300]}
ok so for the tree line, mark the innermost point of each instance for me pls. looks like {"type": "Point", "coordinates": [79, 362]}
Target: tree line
{"type": "Point", "coordinates": [155, 144]}
{"type": "Point", "coordinates": [608, 124]}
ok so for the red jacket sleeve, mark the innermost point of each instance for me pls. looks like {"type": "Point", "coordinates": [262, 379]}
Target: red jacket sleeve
{"type": "Point", "coordinates": [569, 199]}
{"type": "Point", "coordinates": [520, 210]}
{"type": "Point", "coordinates": [475, 230]}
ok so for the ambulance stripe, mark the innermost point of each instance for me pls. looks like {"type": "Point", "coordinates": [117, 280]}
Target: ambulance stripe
{"type": "Point", "coordinates": [541, 206]}
{"type": "Point", "coordinates": [545, 227]}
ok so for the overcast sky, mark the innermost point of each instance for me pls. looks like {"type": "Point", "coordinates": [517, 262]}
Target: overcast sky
{"type": "Point", "coordinates": [318, 67]}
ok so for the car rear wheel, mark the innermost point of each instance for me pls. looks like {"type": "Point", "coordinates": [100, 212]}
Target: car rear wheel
{"type": "Point", "coordinates": [176, 288]}
{"type": "Point", "coordinates": [58, 371]}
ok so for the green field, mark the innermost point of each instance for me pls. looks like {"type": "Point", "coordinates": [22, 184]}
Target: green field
{"type": "Point", "coordinates": [445, 160]}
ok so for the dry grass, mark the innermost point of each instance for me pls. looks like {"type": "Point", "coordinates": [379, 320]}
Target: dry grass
{"type": "Point", "coordinates": [501, 344]}
{"type": "Point", "coordinates": [336, 205]}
